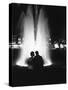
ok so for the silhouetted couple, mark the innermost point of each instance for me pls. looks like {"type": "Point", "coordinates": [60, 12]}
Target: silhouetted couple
{"type": "Point", "coordinates": [35, 61]}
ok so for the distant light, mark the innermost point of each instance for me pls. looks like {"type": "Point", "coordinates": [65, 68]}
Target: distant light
{"type": "Point", "coordinates": [61, 46]}
{"type": "Point", "coordinates": [56, 45]}
{"type": "Point", "coordinates": [13, 43]}
{"type": "Point", "coordinates": [15, 46]}
{"type": "Point", "coordinates": [19, 40]}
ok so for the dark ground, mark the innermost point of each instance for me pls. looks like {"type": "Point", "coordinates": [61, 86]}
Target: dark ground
{"type": "Point", "coordinates": [54, 74]}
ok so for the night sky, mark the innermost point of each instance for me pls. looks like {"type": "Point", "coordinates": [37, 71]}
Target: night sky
{"type": "Point", "coordinates": [56, 19]}
{"type": "Point", "coordinates": [57, 22]}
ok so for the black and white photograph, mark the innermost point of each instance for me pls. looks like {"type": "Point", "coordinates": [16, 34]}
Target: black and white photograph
{"type": "Point", "coordinates": [37, 44]}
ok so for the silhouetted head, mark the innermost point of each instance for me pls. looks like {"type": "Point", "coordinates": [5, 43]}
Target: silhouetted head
{"type": "Point", "coordinates": [32, 54]}
{"type": "Point", "coordinates": [37, 53]}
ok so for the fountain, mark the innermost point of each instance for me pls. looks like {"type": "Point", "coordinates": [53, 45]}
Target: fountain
{"type": "Point", "coordinates": [32, 43]}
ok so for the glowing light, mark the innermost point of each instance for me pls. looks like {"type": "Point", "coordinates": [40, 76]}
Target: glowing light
{"type": "Point", "coordinates": [13, 43]}
{"type": "Point", "coordinates": [19, 40]}
{"type": "Point", "coordinates": [56, 45]}
{"type": "Point", "coordinates": [61, 46]}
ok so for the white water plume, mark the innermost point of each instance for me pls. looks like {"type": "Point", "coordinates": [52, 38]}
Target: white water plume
{"type": "Point", "coordinates": [42, 39]}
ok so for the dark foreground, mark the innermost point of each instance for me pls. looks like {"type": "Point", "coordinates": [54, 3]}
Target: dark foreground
{"type": "Point", "coordinates": [54, 74]}
{"type": "Point", "coordinates": [49, 75]}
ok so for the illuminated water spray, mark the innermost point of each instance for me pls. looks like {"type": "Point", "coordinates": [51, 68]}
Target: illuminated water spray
{"type": "Point", "coordinates": [28, 38]}
{"type": "Point", "coordinates": [42, 38]}
{"type": "Point", "coordinates": [30, 43]}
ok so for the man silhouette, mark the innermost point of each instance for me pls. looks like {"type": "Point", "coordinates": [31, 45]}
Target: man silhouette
{"type": "Point", "coordinates": [38, 61]}
{"type": "Point", "coordinates": [30, 60]}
